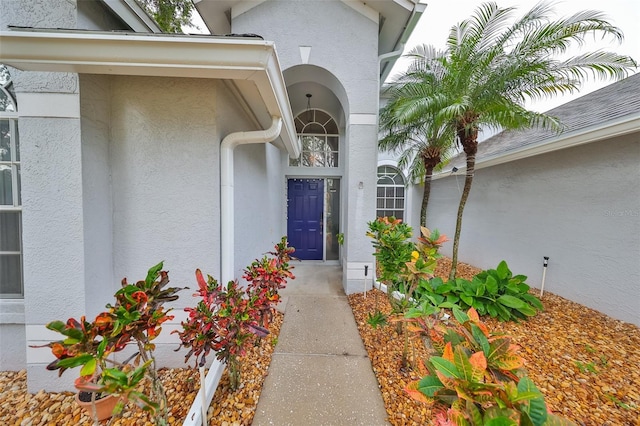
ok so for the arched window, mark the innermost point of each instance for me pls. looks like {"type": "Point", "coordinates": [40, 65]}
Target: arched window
{"type": "Point", "coordinates": [390, 193]}
{"type": "Point", "coordinates": [318, 133]}
{"type": "Point", "coordinates": [10, 201]}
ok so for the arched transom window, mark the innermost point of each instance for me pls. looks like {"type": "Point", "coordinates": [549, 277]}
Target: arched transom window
{"type": "Point", "coordinates": [390, 193]}
{"type": "Point", "coordinates": [318, 133]}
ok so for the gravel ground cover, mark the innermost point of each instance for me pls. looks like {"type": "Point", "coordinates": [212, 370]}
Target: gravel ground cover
{"type": "Point", "coordinates": [586, 364]}
{"type": "Point", "coordinates": [17, 407]}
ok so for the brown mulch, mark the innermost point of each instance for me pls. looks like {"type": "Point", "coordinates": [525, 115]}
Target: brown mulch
{"type": "Point", "coordinates": [17, 407]}
{"type": "Point", "coordinates": [586, 364]}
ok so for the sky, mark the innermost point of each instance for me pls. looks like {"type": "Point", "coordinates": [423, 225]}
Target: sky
{"type": "Point", "coordinates": [441, 15]}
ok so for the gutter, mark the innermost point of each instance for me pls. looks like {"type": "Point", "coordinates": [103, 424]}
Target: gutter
{"type": "Point", "coordinates": [389, 59]}
{"type": "Point", "coordinates": [611, 129]}
{"type": "Point", "coordinates": [96, 52]}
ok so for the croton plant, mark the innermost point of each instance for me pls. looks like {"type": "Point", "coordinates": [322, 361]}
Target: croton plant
{"type": "Point", "coordinates": [228, 317]}
{"type": "Point", "coordinates": [477, 377]}
{"type": "Point", "coordinates": [135, 318]}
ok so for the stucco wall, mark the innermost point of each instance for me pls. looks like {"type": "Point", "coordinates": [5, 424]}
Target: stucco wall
{"type": "Point", "coordinates": [579, 206]}
{"type": "Point", "coordinates": [164, 159]}
{"type": "Point", "coordinates": [348, 50]}
{"type": "Point", "coordinates": [345, 44]}
{"type": "Point", "coordinates": [165, 178]}
{"type": "Point", "coordinates": [259, 202]}
{"type": "Point", "coordinates": [95, 107]}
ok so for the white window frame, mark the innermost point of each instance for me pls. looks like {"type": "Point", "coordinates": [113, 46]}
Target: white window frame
{"type": "Point", "coordinates": [395, 187]}
{"type": "Point", "coordinates": [323, 136]}
{"type": "Point", "coordinates": [14, 164]}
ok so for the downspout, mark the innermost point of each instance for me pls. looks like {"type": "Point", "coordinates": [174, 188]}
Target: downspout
{"type": "Point", "coordinates": [229, 143]}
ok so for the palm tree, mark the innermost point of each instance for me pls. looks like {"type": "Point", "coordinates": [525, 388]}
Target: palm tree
{"type": "Point", "coordinates": [491, 67]}
{"type": "Point", "coordinates": [422, 144]}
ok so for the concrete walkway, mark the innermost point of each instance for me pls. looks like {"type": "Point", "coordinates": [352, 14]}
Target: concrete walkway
{"type": "Point", "coordinates": [320, 373]}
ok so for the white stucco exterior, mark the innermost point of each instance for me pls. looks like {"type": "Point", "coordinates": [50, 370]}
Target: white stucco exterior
{"type": "Point", "coordinates": [121, 153]}
{"type": "Point", "coordinates": [341, 65]}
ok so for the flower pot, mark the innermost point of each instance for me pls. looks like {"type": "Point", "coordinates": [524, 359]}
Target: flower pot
{"type": "Point", "coordinates": [104, 405]}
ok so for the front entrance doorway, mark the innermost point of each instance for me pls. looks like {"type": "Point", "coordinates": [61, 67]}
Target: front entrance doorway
{"type": "Point", "coordinates": [305, 217]}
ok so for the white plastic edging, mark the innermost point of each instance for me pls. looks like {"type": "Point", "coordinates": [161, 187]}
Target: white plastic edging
{"type": "Point", "coordinates": [194, 417]}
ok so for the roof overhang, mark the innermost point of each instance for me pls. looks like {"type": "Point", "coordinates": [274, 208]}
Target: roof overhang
{"type": "Point", "coordinates": [133, 15]}
{"type": "Point", "coordinates": [396, 20]}
{"type": "Point", "coordinates": [620, 127]}
{"type": "Point", "coordinates": [251, 63]}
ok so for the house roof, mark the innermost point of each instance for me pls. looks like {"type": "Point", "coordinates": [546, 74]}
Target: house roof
{"type": "Point", "coordinates": [608, 112]}
{"type": "Point", "coordinates": [249, 63]}
{"type": "Point", "coordinates": [133, 15]}
{"type": "Point", "coordinates": [396, 20]}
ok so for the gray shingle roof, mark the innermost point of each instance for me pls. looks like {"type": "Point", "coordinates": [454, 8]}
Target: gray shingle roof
{"type": "Point", "coordinates": [610, 103]}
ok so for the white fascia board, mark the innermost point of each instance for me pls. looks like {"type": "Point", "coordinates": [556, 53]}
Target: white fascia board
{"type": "Point", "coordinates": [363, 9]}
{"type": "Point", "coordinates": [243, 7]}
{"type": "Point", "coordinates": [620, 127]}
{"type": "Point", "coordinates": [133, 15]}
{"type": "Point", "coordinates": [160, 56]}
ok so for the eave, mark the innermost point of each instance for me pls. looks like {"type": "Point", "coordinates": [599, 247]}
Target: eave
{"type": "Point", "coordinates": [133, 15]}
{"type": "Point", "coordinates": [238, 59]}
{"type": "Point", "coordinates": [620, 127]}
{"type": "Point", "coordinates": [396, 20]}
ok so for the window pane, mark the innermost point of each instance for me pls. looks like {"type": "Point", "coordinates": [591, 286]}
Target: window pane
{"type": "Point", "coordinates": [9, 231]}
{"type": "Point", "coordinates": [380, 203]}
{"type": "Point", "coordinates": [6, 101]}
{"type": "Point", "coordinates": [332, 157]}
{"type": "Point", "coordinates": [332, 127]}
{"type": "Point", "coordinates": [400, 204]}
{"type": "Point", "coordinates": [6, 193]}
{"type": "Point", "coordinates": [314, 128]}
{"type": "Point", "coordinates": [19, 184]}
{"type": "Point", "coordinates": [380, 192]}
{"type": "Point", "coordinates": [17, 140]}
{"type": "Point", "coordinates": [390, 192]}
{"type": "Point", "coordinates": [5, 141]}
{"type": "Point", "coordinates": [319, 159]}
{"type": "Point", "coordinates": [10, 275]}
{"type": "Point", "coordinates": [400, 191]}
{"type": "Point", "coordinates": [295, 162]}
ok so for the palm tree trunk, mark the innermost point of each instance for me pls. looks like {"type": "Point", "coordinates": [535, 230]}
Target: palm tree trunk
{"type": "Point", "coordinates": [471, 164]}
{"type": "Point", "coordinates": [425, 195]}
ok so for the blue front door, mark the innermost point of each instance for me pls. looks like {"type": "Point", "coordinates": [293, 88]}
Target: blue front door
{"type": "Point", "coordinates": [305, 217]}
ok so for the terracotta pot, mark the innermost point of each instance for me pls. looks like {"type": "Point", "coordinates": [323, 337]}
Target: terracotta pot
{"type": "Point", "coordinates": [104, 406]}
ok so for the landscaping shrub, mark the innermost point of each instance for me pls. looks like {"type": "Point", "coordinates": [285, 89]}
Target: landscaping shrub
{"type": "Point", "coordinates": [135, 318]}
{"type": "Point", "coordinates": [477, 377]}
{"type": "Point", "coordinates": [229, 317]}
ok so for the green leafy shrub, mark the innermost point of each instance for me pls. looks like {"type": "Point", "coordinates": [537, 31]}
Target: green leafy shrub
{"type": "Point", "coordinates": [403, 267]}
{"type": "Point", "coordinates": [477, 377]}
{"type": "Point", "coordinates": [494, 292]}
